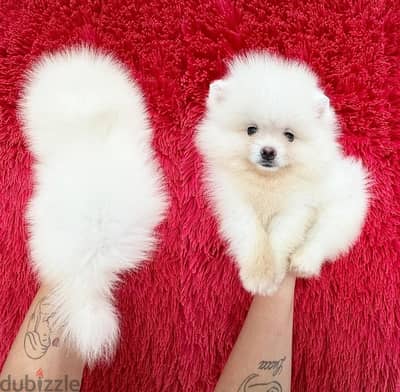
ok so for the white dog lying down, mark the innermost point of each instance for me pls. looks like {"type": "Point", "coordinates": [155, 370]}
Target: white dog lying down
{"type": "Point", "coordinates": [98, 193]}
{"type": "Point", "coordinates": [285, 195]}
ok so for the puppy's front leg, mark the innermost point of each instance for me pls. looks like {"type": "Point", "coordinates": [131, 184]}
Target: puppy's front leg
{"type": "Point", "coordinates": [250, 246]}
{"type": "Point", "coordinates": [287, 231]}
{"type": "Point", "coordinates": [333, 232]}
{"type": "Point", "coordinates": [261, 271]}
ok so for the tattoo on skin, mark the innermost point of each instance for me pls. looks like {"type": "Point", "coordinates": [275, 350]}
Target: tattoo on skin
{"type": "Point", "coordinates": [254, 382]}
{"type": "Point", "coordinates": [250, 384]}
{"type": "Point", "coordinates": [275, 366]}
{"type": "Point", "coordinates": [38, 335]}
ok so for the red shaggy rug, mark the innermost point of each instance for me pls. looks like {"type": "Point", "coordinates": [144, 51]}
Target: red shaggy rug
{"type": "Point", "coordinates": [182, 313]}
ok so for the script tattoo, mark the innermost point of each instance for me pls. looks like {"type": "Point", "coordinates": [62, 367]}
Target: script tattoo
{"type": "Point", "coordinates": [37, 338]}
{"type": "Point", "coordinates": [254, 382]}
{"type": "Point", "coordinates": [252, 385]}
{"type": "Point", "coordinates": [275, 366]}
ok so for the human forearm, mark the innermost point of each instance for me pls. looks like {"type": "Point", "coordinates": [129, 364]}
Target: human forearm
{"type": "Point", "coordinates": [38, 353]}
{"type": "Point", "coordinates": [263, 350]}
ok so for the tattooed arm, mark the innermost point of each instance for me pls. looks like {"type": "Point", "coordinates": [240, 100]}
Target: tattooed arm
{"type": "Point", "coordinates": [261, 358]}
{"type": "Point", "coordinates": [38, 354]}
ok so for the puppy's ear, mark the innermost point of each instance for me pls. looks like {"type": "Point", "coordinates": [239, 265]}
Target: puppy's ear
{"type": "Point", "coordinates": [321, 103]}
{"type": "Point", "coordinates": [217, 91]}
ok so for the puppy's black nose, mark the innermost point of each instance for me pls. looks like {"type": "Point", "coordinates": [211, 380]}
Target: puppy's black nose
{"type": "Point", "coordinates": [268, 154]}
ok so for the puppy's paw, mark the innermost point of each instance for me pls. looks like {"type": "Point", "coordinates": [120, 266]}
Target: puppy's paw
{"type": "Point", "coordinates": [261, 279]}
{"type": "Point", "coordinates": [305, 262]}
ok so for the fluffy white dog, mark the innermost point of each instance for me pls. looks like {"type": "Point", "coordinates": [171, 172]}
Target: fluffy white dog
{"type": "Point", "coordinates": [98, 193]}
{"type": "Point", "coordinates": [285, 194]}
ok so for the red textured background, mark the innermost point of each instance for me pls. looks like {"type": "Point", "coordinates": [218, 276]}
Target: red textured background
{"type": "Point", "coordinates": [182, 313]}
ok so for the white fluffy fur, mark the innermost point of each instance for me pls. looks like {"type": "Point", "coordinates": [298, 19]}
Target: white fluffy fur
{"type": "Point", "coordinates": [98, 194]}
{"type": "Point", "coordinates": [310, 206]}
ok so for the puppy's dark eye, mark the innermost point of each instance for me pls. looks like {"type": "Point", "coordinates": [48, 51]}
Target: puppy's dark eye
{"type": "Point", "coordinates": [251, 130]}
{"type": "Point", "coordinates": [289, 135]}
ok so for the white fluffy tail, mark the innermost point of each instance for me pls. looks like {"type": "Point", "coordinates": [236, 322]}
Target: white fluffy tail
{"type": "Point", "coordinates": [86, 317]}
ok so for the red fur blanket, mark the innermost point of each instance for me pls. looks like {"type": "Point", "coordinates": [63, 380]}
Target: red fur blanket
{"type": "Point", "coordinates": [182, 313]}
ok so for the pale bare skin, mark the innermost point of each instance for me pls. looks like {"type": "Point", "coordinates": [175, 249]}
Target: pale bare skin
{"type": "Point", "coordinates": [261, 359]}
{"type": "Point", "coordinates": [38, 353]}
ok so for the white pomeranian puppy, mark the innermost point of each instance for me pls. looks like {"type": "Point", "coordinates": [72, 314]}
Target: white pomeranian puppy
{"type": "Point", "coordinates": [98, 193]}
{"type": "Point", "coordinates": [285, 195]}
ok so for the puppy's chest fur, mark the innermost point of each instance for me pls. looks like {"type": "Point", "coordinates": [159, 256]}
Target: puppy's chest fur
{"type": "Point", "coordinates": [271, 195]}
